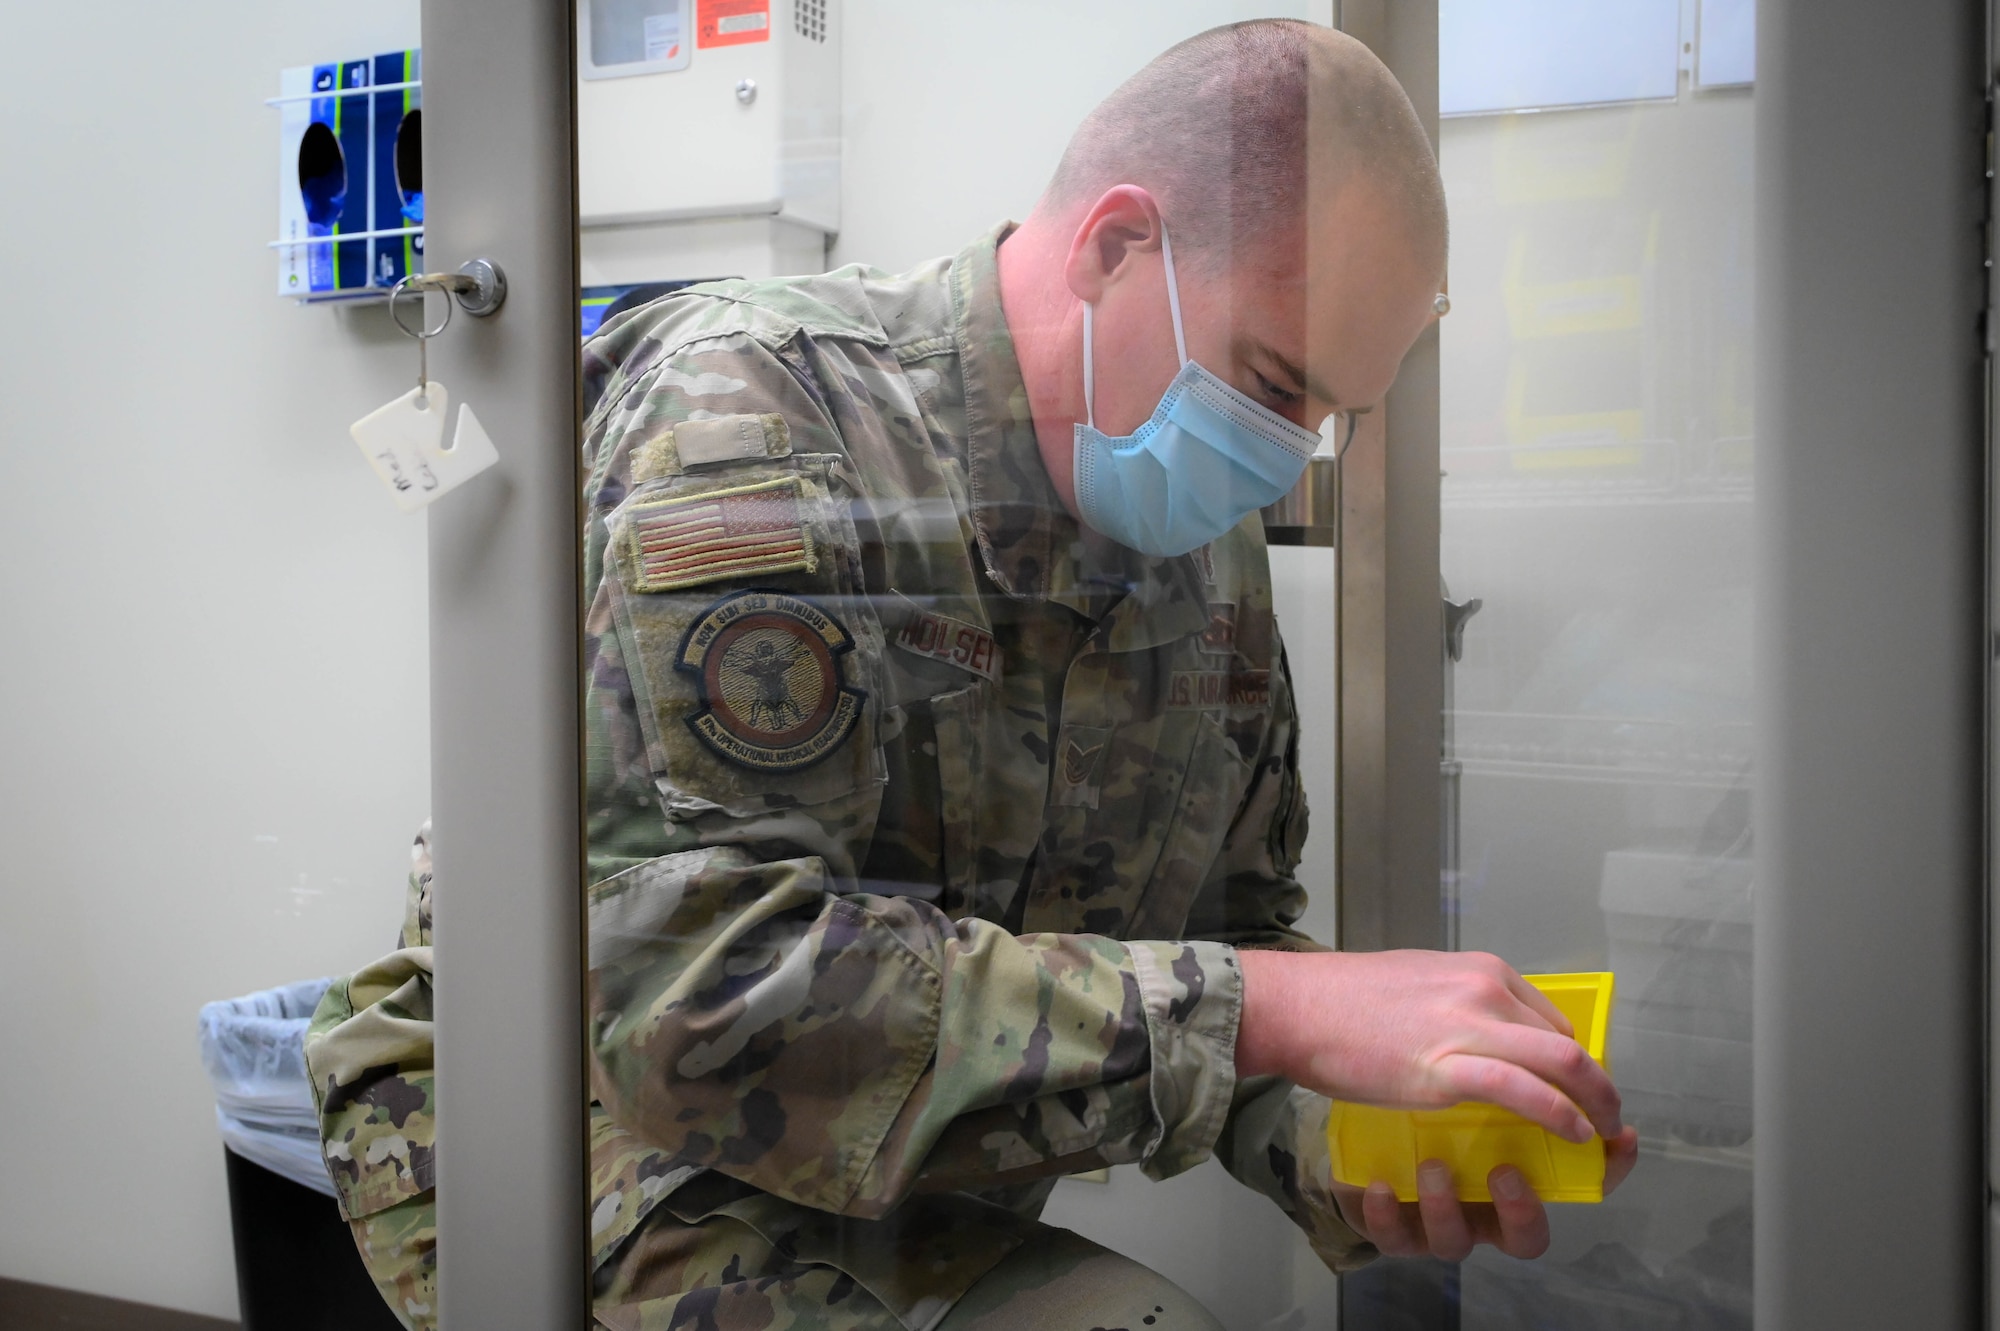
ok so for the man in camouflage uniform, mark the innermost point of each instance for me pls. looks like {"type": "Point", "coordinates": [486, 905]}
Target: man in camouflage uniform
{"type": "Point", "coordinates": [940, 846]}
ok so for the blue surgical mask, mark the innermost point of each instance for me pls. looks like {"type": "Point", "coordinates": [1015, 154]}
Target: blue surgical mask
{"type": "Point", "coordinates": [1207, 457]}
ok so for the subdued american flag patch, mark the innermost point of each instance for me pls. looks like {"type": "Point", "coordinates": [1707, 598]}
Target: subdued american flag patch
{"type": "Point", "coordinates": [691, 539]}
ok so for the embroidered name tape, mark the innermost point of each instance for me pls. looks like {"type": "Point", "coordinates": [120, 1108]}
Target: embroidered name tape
{"type": "Point", "coordinates": [747, 531]}
{"type": "Point", "coordinates": [1198, 690]}
{"type": "Point", "coordinates": [952, 641]}
{"type": "Point", "coordinates": [768, 669]}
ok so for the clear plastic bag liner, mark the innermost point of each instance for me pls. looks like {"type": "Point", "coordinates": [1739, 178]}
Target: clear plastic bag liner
{"type": "Point", "coordinates": [290, 1154]}
{"type": "Point", "coordinates": [254, 1050]}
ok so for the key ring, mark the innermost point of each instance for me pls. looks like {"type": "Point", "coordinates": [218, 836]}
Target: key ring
{"type": "Point", "coordinates": [423, 283]}
{"type": "Point", "coordinates": [479, 285]}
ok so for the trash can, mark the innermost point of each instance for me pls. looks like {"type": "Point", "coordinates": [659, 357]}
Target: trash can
{"type": "Point", "coordinates": [296, 1264]}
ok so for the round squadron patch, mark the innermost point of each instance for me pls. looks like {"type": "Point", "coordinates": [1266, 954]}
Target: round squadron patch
{"type": "Point", "coordinates": [767, 666]}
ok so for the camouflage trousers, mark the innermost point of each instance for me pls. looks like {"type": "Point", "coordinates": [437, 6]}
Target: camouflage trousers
{"type": "Point", "coordinates": [734, 1260]}
{"type": "Point", "coordinates": [1054, 1280]}
{"type": "Point", "coordinates": [725, 1258]}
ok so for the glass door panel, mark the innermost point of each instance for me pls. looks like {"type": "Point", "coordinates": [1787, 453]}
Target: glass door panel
{"type": "Point", "coordinates": [1596, 445]}
{"type": "Point", "coordinates": [926, 151]}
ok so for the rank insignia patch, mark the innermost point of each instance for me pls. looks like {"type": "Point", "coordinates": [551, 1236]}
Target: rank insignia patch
{"type": "Point", "coordinates": [691, 539]}
{"type": "Point", "coordinates": [768, 669]}
{"type": "Point", "coordinates": [1079, 763]}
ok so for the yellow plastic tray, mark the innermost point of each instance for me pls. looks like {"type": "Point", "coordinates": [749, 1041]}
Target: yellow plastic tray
{"type": "Point", "coordinates": [1387, 1144]}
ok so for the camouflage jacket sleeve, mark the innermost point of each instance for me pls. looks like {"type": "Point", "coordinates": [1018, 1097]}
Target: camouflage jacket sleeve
{"type": "Point", "coordinates": [1275, 1141]}
{"type": "Point", "coordinates": [761, 1003]}
{"type": "Point", "coordinates": [1276, 1144]}
{"type": "Point", "coordinates": [368, 1051]}
{"type": "Point", "coordinates": [843, 1049]}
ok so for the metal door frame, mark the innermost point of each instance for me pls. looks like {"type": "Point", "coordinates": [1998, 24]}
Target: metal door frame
{"type": "Point", "coordinates": [1990, 648]}
{"type": "Point", "coordinates": [1872, 649]}
{"type": "Point", "coordinates": [1391, 668]}
{"type": "Point", "coordinates": [1391, 671]}
{"type": "Point", "coordinates": [506, 758]}
{"type": "Point", "coordinates": [1870, 694]}
{"type": "Point", "coordinates": [1872, 658]}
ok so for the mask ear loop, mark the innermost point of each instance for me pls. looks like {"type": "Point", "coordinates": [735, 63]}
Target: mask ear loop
{"type": "Point", "coordinates": [1173, 295]}
{"type": "Point", "coordinates": [1173, 308]}
{"type": "Point", "coordinates": [1089, 379]}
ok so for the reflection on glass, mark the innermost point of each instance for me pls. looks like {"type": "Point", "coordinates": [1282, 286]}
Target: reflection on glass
{"type": "Point", "coordinates": [947, 769]}
{"type": "Point", "coordinates": [925, 817]}
{"type": "Point", "coordinates": [1596, 444]}
{"type": "Point", "coordinates": [1531, 55]}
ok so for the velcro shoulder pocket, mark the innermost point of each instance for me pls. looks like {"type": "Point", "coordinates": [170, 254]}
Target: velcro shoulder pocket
{"type": "Point", "coordinates": [715, 442]}
{"type": "Point", "coordinates": [755, 660]}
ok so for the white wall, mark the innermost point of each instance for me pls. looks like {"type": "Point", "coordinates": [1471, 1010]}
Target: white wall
{"type": "Point", "coordinates": [956, 110]}
{"type": "Point", "coordinates": [212, 672]}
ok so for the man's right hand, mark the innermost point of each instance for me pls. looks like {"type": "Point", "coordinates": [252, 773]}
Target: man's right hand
{"type": "Point", "coordinates": [1420, 1030]}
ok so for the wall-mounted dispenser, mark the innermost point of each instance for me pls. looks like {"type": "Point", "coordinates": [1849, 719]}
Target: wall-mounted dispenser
{"type": "Point", "coordinates": [350, 177]}
{"type": "Point", "coordinates": [708, 137]}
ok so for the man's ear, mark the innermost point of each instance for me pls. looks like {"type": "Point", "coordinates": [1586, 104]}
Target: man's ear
{"type": "Point", "coordinates": [1123, 223]}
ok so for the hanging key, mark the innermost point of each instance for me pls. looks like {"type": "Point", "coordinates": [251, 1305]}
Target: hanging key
{"type": "Point", "coordinates": [404, 440]}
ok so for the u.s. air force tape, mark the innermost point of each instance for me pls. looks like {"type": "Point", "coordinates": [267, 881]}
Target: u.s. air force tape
{"type": "Point", "coordinates": [1200, 690]}
{"type": "Point", "coordinates": [768, 668]}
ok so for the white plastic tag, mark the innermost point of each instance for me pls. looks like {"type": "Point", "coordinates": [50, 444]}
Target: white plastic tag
{"type": "Point", "coordinates": [404, 443]}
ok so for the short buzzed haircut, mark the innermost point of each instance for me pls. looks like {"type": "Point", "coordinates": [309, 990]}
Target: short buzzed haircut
{"type": "Point", "coordinates": [1220, 128]}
